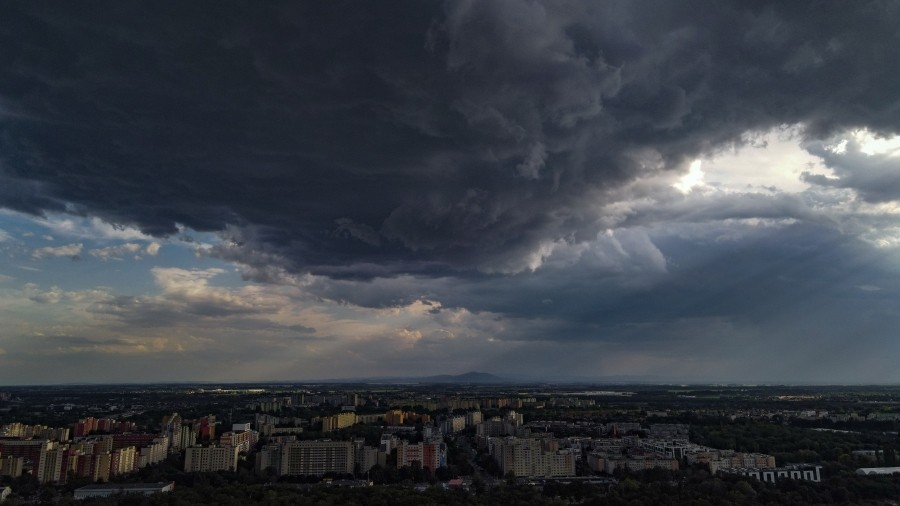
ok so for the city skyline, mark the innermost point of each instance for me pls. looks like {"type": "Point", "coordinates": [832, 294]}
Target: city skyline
{"type": "Point", "coordinates": [692, 192]}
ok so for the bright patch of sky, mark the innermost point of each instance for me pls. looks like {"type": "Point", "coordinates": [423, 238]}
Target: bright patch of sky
{"type": "Point", "coordinates": [762, 162]}
{"type": "Point", "coordinates": [871, 144]}
{"type": "Point", "coordinates": [83, 252]}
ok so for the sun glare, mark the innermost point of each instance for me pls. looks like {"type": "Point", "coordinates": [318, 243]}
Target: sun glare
{"type": "Point", "coordinates": [693, 178]}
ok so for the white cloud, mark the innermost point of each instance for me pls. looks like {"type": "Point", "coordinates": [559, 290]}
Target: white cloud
{"type": "Point", "coordinates": [116, 252]}
{"type": "Point", "coordinates": [153, 248]}
{"type": "Point", "coordinates": [52, 296]}
{"type": "Point", "coordinates": [89, 228]}
{"type": "Point", "coordinates": [69, 250]}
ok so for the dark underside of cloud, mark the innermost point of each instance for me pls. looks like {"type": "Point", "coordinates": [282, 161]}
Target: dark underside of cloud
{"type": "Point", "coordinates": [375, 139]}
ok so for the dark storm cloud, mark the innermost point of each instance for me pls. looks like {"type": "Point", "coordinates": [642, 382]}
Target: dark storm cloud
{"type": "Point", "coordinates": [874, 176]}
{"type": "Point", "coordinates": [374, 139]}
{"type": "Point", "coordinates": [762, 287]}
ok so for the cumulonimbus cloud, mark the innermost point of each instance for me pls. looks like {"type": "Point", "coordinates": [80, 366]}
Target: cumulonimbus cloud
{"type": "Point", "coordinates": [432, 138]}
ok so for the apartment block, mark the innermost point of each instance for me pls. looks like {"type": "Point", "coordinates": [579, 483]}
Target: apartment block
{"type": "Point", "coordinates": [531, 457]}
{"type": "Point", "coordinates": [316, 458]}
{"type": "Point", "coordinates": [205, 459]}
{"type": "Point", "coordinates": [430, 455]}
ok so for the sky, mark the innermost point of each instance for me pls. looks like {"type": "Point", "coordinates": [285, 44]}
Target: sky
{"type": "Point", "coordinates": [695, 191]}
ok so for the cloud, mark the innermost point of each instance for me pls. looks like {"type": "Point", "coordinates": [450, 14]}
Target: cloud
{"type": "Point", "coordinates": [34, 293]}
{"type": "Point", "coordinates": [873, 175]}
{"type": "Point", "coordinates": [116, 252]}
{"type": "Point", "coordinates": [89, 228]}
{"type": "Point", "coordinates": [513, 174]}
{"type": "Point", "coordinates": [480, 134]}
{"type": "Point", "coordinates": [128, 249]}
{"type": "Point", "coordinates": [70, 250]}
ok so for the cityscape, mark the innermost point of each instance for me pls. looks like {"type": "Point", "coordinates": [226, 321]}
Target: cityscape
{"type": "Point", "coordinates": [466, 252]}
{"type": "Point", "coordinates": [459, 443]}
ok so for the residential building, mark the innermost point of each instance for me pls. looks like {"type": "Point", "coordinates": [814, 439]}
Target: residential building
{"type": "Point", "coordinates": [124, 461]}
{"type": "Point", "coordinates": [269, 457]}
{"type": "Point", "coordinates": [532, 457]}
{"type": "Point", "coordinates": [243, 441]}
{"type": "Point", "coordinates": [367, 458]}
{"type": "Point", "coordinates": [210, 458]}
{"type": "Point", "coordinates": [316, 458]}
{"type": "Point", "coordinates": [338, 421]}
{"type": "Point", "coordinates": [430, 455]}
{"type": "Point", "coordinates": [453, 424]}
{"type": "Point", "coordinates": [12, 466]}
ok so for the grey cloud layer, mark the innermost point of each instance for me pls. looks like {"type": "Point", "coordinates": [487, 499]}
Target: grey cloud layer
{"type": "Point", "coordinates": [419, 137]}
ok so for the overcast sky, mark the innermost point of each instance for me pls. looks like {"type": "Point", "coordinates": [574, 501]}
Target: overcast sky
{"type": "Point", "coordinates": [683, 191]}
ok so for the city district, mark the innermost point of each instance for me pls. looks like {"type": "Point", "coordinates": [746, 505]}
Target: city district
{"type": "Point", "coordinates": [436, 443]}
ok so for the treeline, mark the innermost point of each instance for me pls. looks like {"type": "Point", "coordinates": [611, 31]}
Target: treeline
{"type": "Point", "coordinates": [791, 444]}
{"type": "Point", "coordinates": [694, 489]}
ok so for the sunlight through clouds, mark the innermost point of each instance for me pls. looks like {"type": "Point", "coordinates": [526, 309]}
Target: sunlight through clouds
{"type": "Point", "coordinates": [693, 178]}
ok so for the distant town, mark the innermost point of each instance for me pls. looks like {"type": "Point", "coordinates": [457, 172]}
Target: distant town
{"type": "Point", "coordinates": [477, 442]}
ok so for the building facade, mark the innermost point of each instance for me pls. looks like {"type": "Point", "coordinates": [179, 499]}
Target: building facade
{"type": "Point", "coordinates": [316, 458]}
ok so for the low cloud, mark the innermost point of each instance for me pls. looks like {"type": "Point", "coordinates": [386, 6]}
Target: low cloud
{"type": "Point", "coordinates": [70, 250]}
{"type": "Point", "coordinates": [116, 252]}
{"type": "Point", "coordinates": [121, 251]}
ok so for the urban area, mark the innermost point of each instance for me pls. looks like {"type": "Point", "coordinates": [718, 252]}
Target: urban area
{"type": "Point", "coordinates": [455, 442]}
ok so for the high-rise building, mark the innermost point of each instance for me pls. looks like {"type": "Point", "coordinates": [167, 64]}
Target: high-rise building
{"type": "Point", "coordinates": [206, 427]}
{"type": "Point", "coordinates": [316, 458]}
{"type": "Point", "coordinates": [153, 453]}
{"type": "Point", "coordinates": [53, 468]}
{"type": "Point", "coordinates": [367, 458]}
{"type": "Point", "coordinates": [269, 457]}
{"type": "Point", "coordinates": [85, 426]}
{"type": "Point", "coordinates": [12, 466]}
{"type": "Point", "coordinates": [338, 421]}
{"type": "Point", "coordinates": [102, 465]}
{"type": "Point", "coordinates": [29, 449]}
{"type": "Point", "coordinates": [123, 461]}
{"type": "Point", "coordinates": [243, 441]}
{"type": "Point", "coordinates": [531, 457]}
{"type": "Point", "coordinates": [210, 458]}
{"type": "Point", "coordinates": [430, 455]}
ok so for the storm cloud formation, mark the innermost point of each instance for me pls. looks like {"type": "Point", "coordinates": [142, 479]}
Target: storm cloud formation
{"type": "Point", "coordinates": [406, 137]}
{"type": "Point", "coordinates": [512, 157]}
